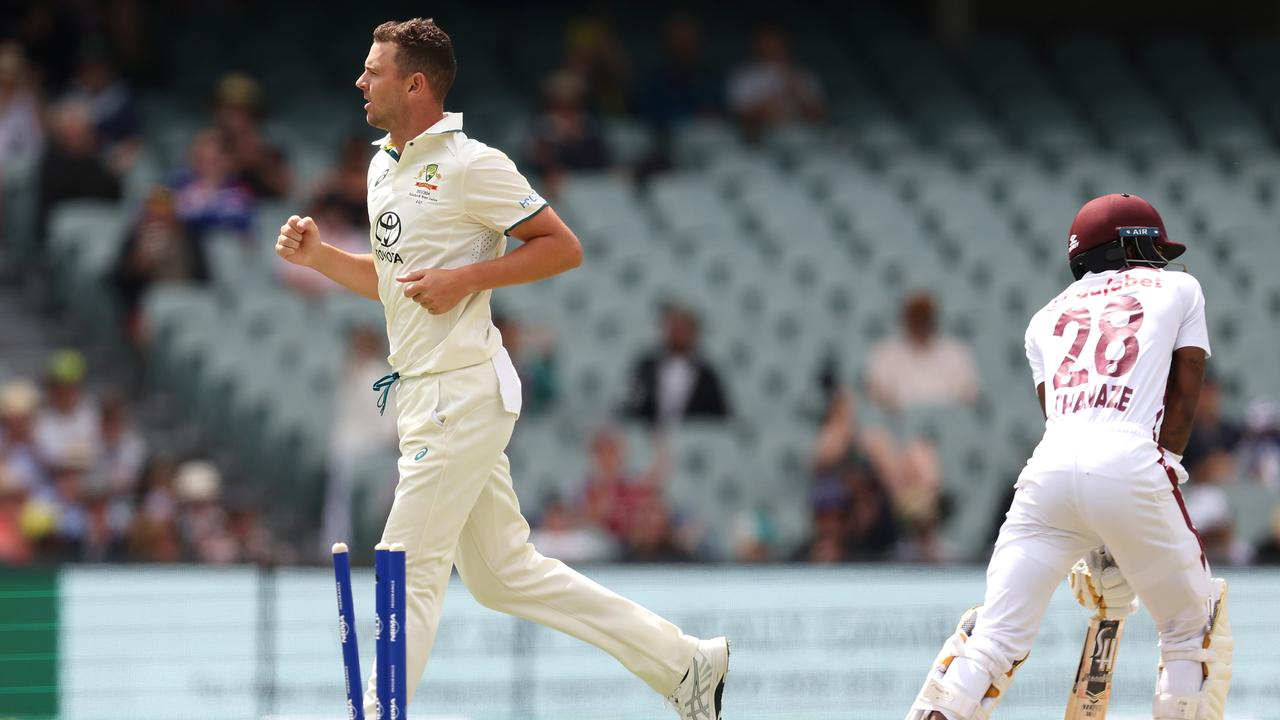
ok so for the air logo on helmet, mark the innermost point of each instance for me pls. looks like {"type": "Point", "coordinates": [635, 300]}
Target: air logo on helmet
{"type": "Point", "coordinates": [1138, 232]}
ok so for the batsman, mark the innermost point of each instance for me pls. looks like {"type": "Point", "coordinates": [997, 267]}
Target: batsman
{"type": "Point", "coordinates": [1118, 359]}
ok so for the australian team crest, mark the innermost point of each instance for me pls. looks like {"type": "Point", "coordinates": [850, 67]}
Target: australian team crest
{"type": "Point", "coordinates": [426, 183]}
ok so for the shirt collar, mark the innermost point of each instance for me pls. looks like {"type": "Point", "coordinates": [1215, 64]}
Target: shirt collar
{"type": "Point", "coordinates": [450, 123]}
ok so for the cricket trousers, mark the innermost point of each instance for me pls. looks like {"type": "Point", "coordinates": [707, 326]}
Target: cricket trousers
{"type": "Point", "coordinates": [1089, 485]}
{"type": "Point", "coordinates": [455, 505]}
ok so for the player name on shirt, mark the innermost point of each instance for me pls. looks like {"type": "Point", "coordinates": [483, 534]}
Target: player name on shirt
{"type": "Point", "coordinates": [1109, 397]}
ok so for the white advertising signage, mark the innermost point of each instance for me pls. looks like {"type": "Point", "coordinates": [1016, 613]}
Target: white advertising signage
{"type": "Point", "coordinates": [808, 644]}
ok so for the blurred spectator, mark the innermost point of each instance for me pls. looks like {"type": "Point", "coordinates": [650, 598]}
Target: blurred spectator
{"type": "Point", "coordinates": [18, 402]}
{"type": "Point", "coordinates": [15, 548]}
{"type": "Point", "coordinates": [891, 492]}
{"type": "Point", "coordinates": [71, 167]}
{"type": "Point", "coordinates": [358, 430]}
{"type": "Point", "coordinates": [153, 531]}
{"type": "Point", "coordinates": [338, 232]}
{"type": "Point", "coordinates": [772, 90]}
{"type": "Point", "coordinates": [1212, 435]}
{"type": "Point", "coordinates": [594, 53]}
{"type": "Point", "coordinates": [827, 536]}
{"type": "Point", "coordinates": [202, 522]}
{"type": "Point", "coordinates": [256, 162]}
{"type": "Point", "coordinates": [155, 497]}
{"type": "Point", "coordinates": [67, 498]}
{"type": "Point", "coordinates": [851, 474]}
{"type": "Point", "coordinates": [112, 108]}
{"type": "Point", "coordinates": [921, 368]}
{"type": "Point", "coordinates": [682, 87]}
{"type": "Point", "coordinates": [20, 133]}
{"type": "Point", "coordinates": [78, 465]}
{"type": "Point", "coordinates": [533, 354]}
{"type": "Point", "coordinates": [674, 381]}
{"type": "Point", "coordinates": [1210, 511]}
{"type": "Point", "coordinates": [651, 538]}
{"type": "Point", "coordinates": [106, 520]}
{"type": "Point", "coordinates": [1268, 552]}
{"type": "Point", "coordinates": [209, 195]}
{"type": "Point", "coordinates": [915, 488]}
{"type": "Point", "coordinates": [754, 535]}
{"type": "Point", "coordinates": [558, 536]}
{"type": "Point", "coordinates": [566, 138]}
{"type": "Point", "coordinates": [1260, 446]}
{"type": "Point", "coordinates": [870, 529]}
{"type": "Point", "coordinates": [254, 542]}
{"type": "Point", "coordinates": [347, 184]}
{"type": "Point", "coordinates": [122, 450]}
{"type": "Point", "coordinates": [154, 540]}
{"type": "Point", "coordinates": [611, 494]}
{"type": "Point", "coordinates": [67, 428]}
{"type": "Point", "coordinates": [158, 249]}
{"type": "Point", "coordinates": [841, 442]}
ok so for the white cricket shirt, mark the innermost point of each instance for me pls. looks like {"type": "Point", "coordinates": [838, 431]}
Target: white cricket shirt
{"type": "Point", "coordinates": [1103, 347]}
{"type": "Point", "coordinates": [445, 202]}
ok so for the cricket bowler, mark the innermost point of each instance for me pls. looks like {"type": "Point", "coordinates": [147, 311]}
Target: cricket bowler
{"type": "Point", "coordinates": [441, 206]}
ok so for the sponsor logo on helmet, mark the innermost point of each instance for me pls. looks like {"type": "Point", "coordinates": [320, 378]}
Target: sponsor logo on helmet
{"type": "Point", "coordinates": [1073, 242]}
{"type": "Point", "coordinates": [1139, 232]}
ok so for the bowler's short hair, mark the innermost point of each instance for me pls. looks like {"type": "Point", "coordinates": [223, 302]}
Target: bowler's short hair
{"type": "Point", "coordinates": [421, 46]}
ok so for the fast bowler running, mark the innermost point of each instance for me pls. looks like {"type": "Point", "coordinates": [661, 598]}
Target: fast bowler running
{"type": "Point", "coordinates": [440, 208]}
{"type": "Point", "coordinates": [1118, 359]}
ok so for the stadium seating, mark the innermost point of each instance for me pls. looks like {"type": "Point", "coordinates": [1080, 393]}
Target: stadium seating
{"type": "Point", "coordinates": [957, 174]}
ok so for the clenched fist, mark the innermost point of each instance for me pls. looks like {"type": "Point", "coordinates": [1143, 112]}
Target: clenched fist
{"type": "Point", "coordinates": [437, 290]}
{"type": "Point", "coordinates": [298, 241]}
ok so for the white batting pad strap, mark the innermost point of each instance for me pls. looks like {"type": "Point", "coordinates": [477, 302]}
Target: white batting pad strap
{"type": "Point", "coordinates": [1175, 707]}
{"type": "Point", "coordinates": [940, 695]}
{"type": "Point", "coordinates": [1213, 694]}
{"type": "Point", "coordinates": [1211, 702]}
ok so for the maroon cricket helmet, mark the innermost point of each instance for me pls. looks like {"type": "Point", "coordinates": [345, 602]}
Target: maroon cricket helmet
{"type": "Point", "coordinates": [1103, 226]}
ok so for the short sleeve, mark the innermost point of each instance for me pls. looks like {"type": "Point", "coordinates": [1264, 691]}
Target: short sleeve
{"type": "Point", "coordinates": [496, 194]}
{"type": "Point", "coordinates": [1194, 330]}
{"type": "Point", "coordinates": [1034, 358]}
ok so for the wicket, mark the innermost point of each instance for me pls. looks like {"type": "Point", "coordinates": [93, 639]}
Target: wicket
{"type": "Point", "coordinates": [391, 683]}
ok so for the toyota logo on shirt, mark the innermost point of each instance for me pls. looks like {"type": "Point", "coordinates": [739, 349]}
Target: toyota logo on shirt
{"type": "Point", "coordinates": [387, 231]}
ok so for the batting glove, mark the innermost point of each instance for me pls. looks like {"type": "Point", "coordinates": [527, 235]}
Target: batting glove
{"type": "Point", "coordinates": [1099, 586]}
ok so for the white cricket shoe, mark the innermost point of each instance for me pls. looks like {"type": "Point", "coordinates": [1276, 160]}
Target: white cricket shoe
{"type": "Point", "coordinates": [699, 694]}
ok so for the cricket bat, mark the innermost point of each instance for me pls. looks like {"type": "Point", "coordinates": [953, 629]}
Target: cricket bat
{"type": "Point", "coordinates": [1091, 692]}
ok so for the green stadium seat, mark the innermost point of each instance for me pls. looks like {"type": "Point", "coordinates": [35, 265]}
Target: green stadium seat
{"type": "Point", "coordinates": [630, 141]}
{"type": "Point", "coordinates": [688, 204]}
{"type": "Point", "coordinates": [697, 144]}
